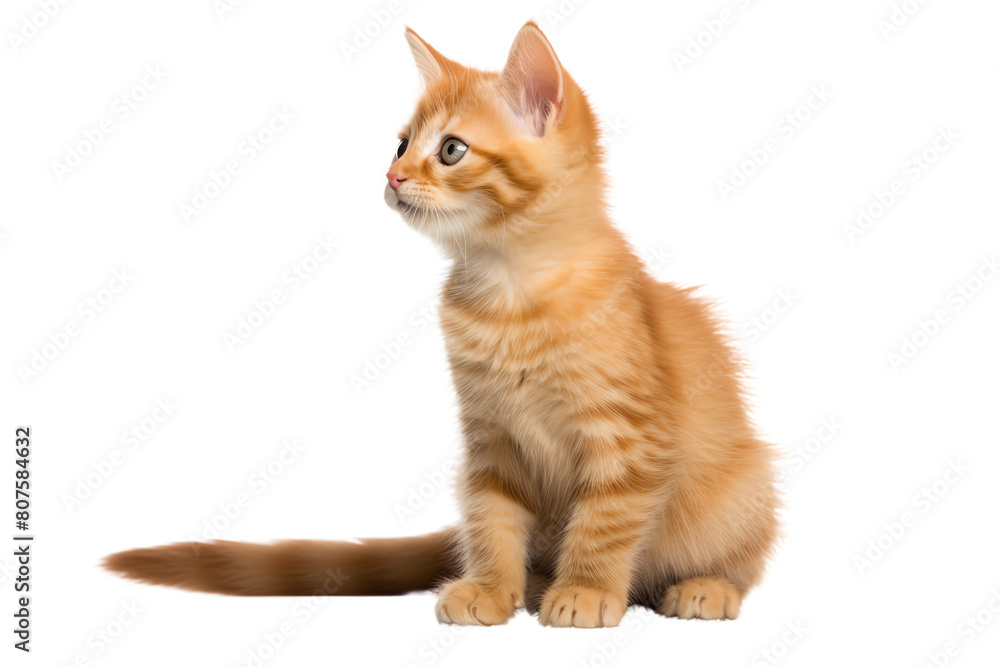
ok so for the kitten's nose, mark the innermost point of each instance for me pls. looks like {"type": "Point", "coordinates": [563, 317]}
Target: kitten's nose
{"type": "Point", "coordinates": [394, 180]}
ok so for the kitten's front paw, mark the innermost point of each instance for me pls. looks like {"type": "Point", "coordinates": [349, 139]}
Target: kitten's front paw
{"type": "Point", "coordinates": [466, 602]}
{"type": "Point", "coordinates": [709, 598]}
{"type": "Point", "coordinates": [580, 607]}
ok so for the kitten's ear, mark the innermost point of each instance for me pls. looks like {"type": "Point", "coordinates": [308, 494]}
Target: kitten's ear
{"type": "Point", "coordinates": [533, 79]}
{"type": "Point", "coordinates": [431, 64]}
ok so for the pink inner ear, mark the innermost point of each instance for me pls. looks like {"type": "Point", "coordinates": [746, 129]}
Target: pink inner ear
{"type": "Point", "coordinates": [533, 78]}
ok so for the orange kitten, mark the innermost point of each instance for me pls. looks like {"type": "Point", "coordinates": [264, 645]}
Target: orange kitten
{"type": "Point", "coordinates": [609, 456]}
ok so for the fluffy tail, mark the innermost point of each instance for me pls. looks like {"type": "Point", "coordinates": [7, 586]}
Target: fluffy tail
{"type": "Point", "coordinates": [295, 567]}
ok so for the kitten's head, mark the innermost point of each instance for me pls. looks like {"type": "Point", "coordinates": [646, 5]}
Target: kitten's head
{"type": "Point", "coordinates": [485, 153]}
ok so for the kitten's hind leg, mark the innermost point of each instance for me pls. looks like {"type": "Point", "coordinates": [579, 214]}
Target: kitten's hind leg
{"type": "Point", "coordinates": [708, 598]}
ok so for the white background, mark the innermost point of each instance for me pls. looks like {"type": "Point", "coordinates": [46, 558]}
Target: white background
{"type": "Point", "coordinates": [677, 129]}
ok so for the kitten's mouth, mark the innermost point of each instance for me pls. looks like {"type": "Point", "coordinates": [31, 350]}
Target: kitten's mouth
{"type": "Point", "coordinates": [395, 201]}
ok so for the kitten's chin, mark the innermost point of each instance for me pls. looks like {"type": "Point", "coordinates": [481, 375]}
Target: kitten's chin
{"type": "Point", "coordinates": [395, 203]}
{"type": "Point", "coordinates": [446, 227]}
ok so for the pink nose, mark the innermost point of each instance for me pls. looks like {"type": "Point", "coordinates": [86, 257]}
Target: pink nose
{"type": "Point", "coordinates": [394, 180]}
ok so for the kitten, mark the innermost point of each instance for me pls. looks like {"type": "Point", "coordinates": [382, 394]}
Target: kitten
{"type": "Point", "coordinates": [610, 460]}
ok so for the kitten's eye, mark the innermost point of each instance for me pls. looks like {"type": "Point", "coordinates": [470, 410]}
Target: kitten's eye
{"type": "Point", "coordinates": [401, 148]}
{"type": "Point", "coordinates": [452, 151]}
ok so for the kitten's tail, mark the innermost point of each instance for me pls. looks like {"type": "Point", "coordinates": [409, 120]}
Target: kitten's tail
{"type": "Point", "coordinates": [295, 567]}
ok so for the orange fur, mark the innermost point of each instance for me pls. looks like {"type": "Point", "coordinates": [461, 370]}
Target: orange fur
{"type": "Point", "coordinates": [609, 453]}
